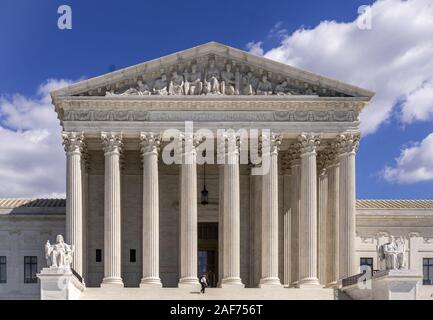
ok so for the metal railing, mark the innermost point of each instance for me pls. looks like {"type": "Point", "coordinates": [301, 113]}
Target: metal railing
{"type": "Point", "coordinates": [75, 273]}
{"type": "Point", "coordinates": [354, 279]}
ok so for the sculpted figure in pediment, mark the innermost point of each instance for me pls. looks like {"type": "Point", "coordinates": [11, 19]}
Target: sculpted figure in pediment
{"type": "Point", "coordinates": [228, 81]}
{"type": "Point", "coordinates": [160, 86]}
{"type": "Point", "coordinates": [264, 87]}
{"type": "Point", "coordinates": [193, 84]}
{"type": "Point", "coordinates": [248, 83]}
{"type": "Point", "coordinates": [211, 79]}
{"type": "Point", "coordinates": [143, 88]}
{"type": "Point", "coordinates": [282, 89]}
{"type": "Point", "coordinates": [175, 87]}
{"type": "Point", "coordinates": [110, 93]}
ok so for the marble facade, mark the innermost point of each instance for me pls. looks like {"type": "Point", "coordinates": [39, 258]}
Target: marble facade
{"type": "Point", "coordinates": [294, 226]}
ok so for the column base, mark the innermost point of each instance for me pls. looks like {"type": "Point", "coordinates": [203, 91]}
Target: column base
{"type": "Point", "coordinates": [234, 282]}
{"type": "Point", "coordinates": [190, 283]}
{"type": "Point", "coordinates": [270, 282]}
{"type": "Point", "coordinates": [112, 282]}
{"type": "Point", "coordinates": [153, 282]}
{"type": "Point", "coordinates": [309, 283]}
{"type": "Point", "coordinates": [294, 284]}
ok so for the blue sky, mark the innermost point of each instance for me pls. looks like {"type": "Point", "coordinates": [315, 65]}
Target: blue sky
{"type": "Point", "coordinates": [36, 56]}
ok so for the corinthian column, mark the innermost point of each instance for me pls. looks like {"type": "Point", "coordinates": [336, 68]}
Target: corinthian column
{"type": "Point", "coordinates": [308, 216]}
{"type": "Point", "coordinates": [333, 217]}
{"type": "Point", "coordinates": [231, 224]}
{"type": "Point", "coordinates": [112, 143]}
{"type": "Point", "coordinates": [348, 144]}
{"type": "Point", "coordinates": [295, 210]}
{"type": "Point", "coordinates": [74, 143]}
{"type": "Point", "coordinates": [149, 151]}
{"type": "Point", "coordinates": [188, 214]}
{"type": "Point", "coordinates": [270, 147]}
{"type": "Point", "coordinates": [322, 219]}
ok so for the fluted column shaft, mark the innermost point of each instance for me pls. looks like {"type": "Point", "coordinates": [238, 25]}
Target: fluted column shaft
{"type": "Point", "coordinates": [348, 144]}
{"type": "Point", "coordinates": [149, 151]}
{"type": "Point", "coordinates": [322, 221]}
{"type": "Point", "coordinates": [220, 223]}
{"type": "Point", "coordinates": [74, 143]}
{"type": "Point", "coordinates": [231, 223]}
{"type": "Point", "coordinates": [270, 212]}
{"type": "Point", "coordinates": [287, 240]}
{"type": "Point", "coordinates": [295, 208]}
{"type": "Point", "coordinates": [308, 216]}
{"type": "Point", "coordinates": [188, 215]}
{"type": "Point", "coordinates": [332, 225]}
{"type": "Point", "coordinates": [112, 210]}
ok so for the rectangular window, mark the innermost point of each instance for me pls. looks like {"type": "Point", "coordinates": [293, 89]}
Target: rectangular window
{"type": "Point", "coordinates": [427, 265]}
{"type": "Point", "coordinates": [132, 255]}
{"type": "Point", "coordinates": [30, 269]}
{"type": "Point", "coordinates": [98, 255]}
{"type": "Point", "coordinates": [367, 262]}
{"type": "Point", "coordinates": [3, 275]}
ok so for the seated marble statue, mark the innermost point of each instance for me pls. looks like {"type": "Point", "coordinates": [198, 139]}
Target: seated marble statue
{"type": "Point", "coordinates": [143, 89]}
{"type": "Point", "coordinates": [228, 82]}
{"type": "Point", "coordinates": [175, 86]}
{"type": "Point", "coordinates": [58, 255]}
{"type": "Point", "coordinates": [248, 83]}
{"type": "Point", "coordinates": [264, 87]}
{"type": "Point", "coordinates": [193, 84]}
{"type": "Point", "coordinates": [211, 79]}
{"type": "Point", "coordinates": [391, 254]}
{"type": "Point", "coordinates": [160, 86]}
{"type": "Point", "coordinates": [282, 89]}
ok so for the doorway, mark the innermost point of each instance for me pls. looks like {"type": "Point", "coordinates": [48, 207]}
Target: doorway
{"type": "Point", "coordinates": [208, 252]}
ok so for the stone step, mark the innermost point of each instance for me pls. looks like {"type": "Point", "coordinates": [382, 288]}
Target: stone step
{"type": "Point", "coordinates": [211, 294]}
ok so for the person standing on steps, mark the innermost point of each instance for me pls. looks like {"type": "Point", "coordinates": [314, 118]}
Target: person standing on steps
{"type": "Point", "coordinates": [203, 282]}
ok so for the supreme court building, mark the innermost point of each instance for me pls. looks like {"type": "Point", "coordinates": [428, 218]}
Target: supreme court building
{"type": "Point", "coordinates": [138, 221]}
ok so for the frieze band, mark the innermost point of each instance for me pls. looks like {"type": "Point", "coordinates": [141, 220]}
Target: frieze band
{"type": "Point", "coordinates": [135, 115]}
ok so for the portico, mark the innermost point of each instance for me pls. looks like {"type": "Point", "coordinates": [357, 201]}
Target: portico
{"type": "Point", "coordinates": [292, 226]}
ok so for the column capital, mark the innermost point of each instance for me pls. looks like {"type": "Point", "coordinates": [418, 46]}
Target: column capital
{"type": "Point", "coordinates": [232, 140]}
{"type": "Point", "coordinates": [149, 143]}
{"type": "Point", "coordinates": [273, 139]}
{"type": "Point", "coordinates": [73, 142]}
{"type": "Point", "coordinates": [308, 143]}
{"type": "Point", "coordinates": [347, 142]}
{"type": "Point", "coordinates": [111, 142]}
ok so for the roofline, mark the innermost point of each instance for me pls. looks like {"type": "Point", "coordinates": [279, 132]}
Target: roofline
{"type": "Point", "coordinates": [206, 48]}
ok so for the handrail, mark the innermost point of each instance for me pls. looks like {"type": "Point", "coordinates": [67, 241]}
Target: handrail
{"type": "Point", "coordinates": [75, 273]}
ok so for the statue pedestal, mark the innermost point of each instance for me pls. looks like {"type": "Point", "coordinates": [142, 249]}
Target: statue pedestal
{"type": "Point", "coordinates": [395, 285]}
{"type": "Point", "coordinates": [59, 284]}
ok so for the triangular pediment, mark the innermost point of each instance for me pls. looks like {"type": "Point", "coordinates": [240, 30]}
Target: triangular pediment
{"type": "Point", "coordinates": [211, 69]}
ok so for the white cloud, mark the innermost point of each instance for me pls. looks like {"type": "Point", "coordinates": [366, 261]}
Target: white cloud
{"type": "Point", "coordinates": [255, 48]}
{"type": "Point", "coordinates": [414, 164]}
{"type": "Point", "coordinates": [394, 58]}
{"type": "Point", "coordinates": [278, 30]}
{"type": "Point", "coordinates": [32, 160]}
{"type": "Point", "coordinates": [419, 104]}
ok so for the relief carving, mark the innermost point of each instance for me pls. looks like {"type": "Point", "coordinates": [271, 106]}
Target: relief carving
{"type": "Point", "coordinates": [210, 76]}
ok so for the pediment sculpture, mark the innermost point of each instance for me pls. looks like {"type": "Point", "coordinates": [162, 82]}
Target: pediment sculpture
{"type": "Point", "coordinates": [391, 254]}
{"type": "Point", "coordinates": [58, 255]}
{"type": "Point", "coordinates": [212, 78]}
